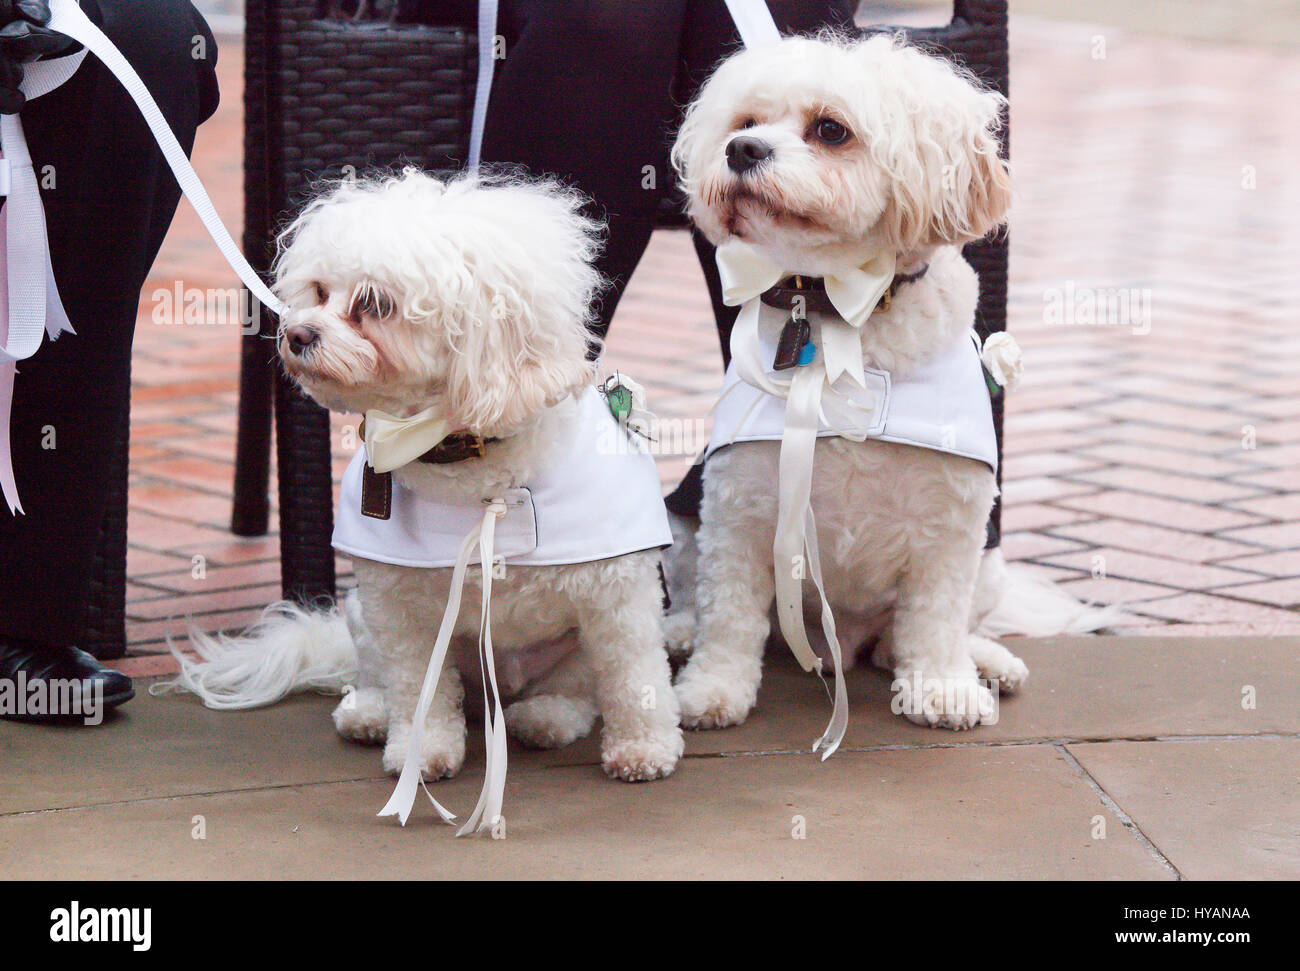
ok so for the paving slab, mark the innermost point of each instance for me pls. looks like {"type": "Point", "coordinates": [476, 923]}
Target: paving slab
{"type": "Point", "coordinates": [1021, 812]}
{"type": "Point", "coordinates": [1078, 688]}
{"type": "Point", "coordinates": [1082, 688]}
{"type": "Point", "coordinates": [160, 747]}
{"type": "Point", "coordinates": [1219, 809]}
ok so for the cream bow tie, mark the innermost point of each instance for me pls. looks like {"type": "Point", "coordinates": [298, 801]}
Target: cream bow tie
{"type": "Point", "coordinates": [392, 442]}
{"type": "Point", "coordinates": [747, 273]}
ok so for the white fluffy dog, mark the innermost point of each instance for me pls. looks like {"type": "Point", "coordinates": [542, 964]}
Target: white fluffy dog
{"type": "Point", "coordinates": [812, 151]}
{"type": "Point", "coordinates": [469, 298]}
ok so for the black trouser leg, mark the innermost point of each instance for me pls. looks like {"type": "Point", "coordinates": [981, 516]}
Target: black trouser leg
{"type": "Point", "coordinates": [585, 93]}
{"type": "Point", "coordinates": [109, 198]}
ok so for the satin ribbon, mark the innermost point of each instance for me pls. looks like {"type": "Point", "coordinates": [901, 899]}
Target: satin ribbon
{"type": "Point", "coordinates": [854, 291]}
{"type": "Point", "coordinates": [488, 809]}
{"type": "Point", "coordinates": [392, 442]}
{"type": "Point", "coordinates": [487, 33]}
{"type": "Point", "coordinates": [30, 307]}
{"type": "Point", "coordinates": [31, 303]}
{"type": "Point", "coordinates": [754, 22]}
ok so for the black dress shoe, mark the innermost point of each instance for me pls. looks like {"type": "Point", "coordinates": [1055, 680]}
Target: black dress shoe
{"type": "Point", "coordinates": [43, 683]}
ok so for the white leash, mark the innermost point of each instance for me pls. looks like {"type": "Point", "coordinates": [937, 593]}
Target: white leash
{"type": "Point", "coordinates": [67, 18]}
{"type": "Point", "coordinates": [487, 812]}
{"type": "Point", "coordinates": [487, 32]}
{"type": "Point", "coordinates": [31, 304]}
{"type": "Point", "coordinates": [754, 22]}
{"type": "Point", "coordinates": [795, 545]}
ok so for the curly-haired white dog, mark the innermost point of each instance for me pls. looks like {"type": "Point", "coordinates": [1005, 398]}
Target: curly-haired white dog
{"type": "Point", "coordinates": [461, 308]}
{"type": "Point", "coordinates": [827, 157]}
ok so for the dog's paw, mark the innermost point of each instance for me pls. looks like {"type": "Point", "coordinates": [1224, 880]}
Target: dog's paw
{"type": "Point", "coordinates": [362, 716]}
{"type": "Point", "coordinates": [710, 702]}
{"type": "Point", "coordinates": [642, 759]}
{"type": "Point", "coordinates": [882, 653]}
{"type": "Point", "coordinates": [996, 663]}
{"type": "Point", "coordinates": [442, 750]}
{"type": "Point", "coordinates": [679, 633]}
{"type": "Point", "coordinates": [958, 702]}
{"type": "Point", "coordinates": [550, 721]}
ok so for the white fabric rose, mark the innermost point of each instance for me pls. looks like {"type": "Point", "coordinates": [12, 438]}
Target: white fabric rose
{"type": "Point", "coordinates": [1001, 355]}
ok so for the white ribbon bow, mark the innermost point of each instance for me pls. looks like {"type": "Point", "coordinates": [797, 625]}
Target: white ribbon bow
{"type": "Point", "coordinates": [29, 298]}
{"type": "Point", "coordinates": [392, 442]}
{"type": "Point", "coordinates": [30, 307]}
{"type": "Point", "coordinates": [488, 810]}
{"type": "Point", "coordinates": [854, 291]}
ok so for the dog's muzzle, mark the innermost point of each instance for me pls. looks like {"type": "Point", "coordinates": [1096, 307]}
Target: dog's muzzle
{"type": "Point", "coordinates": [745, 152]}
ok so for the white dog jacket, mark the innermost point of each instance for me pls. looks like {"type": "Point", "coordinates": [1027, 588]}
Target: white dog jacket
{"type": "Point", "coordinates": [822, 387]}
{"type": "Point", "coordinates": [599, 497]}
{"type": "Point", "coordinates": [943, 405]}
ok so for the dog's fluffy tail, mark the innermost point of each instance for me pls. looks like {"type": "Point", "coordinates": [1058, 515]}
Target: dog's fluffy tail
{"type": "Point", "coordinates": [1016, 600]}
{"type": "Point", "coordinates": [289, 649]}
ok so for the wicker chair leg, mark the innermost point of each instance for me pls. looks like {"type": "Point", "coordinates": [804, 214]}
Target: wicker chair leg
{"type": "Point", "coordinates": [104, 627]}
{"type": "Point", "coordinates": [306, 494]}
{"type": "Point", "coordinates": [989, 257]}
{"type": "Point", "coordinates": [251, 508]}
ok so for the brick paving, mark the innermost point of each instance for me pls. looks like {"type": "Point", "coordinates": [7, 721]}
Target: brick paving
{"type": "Point", "coordinates": [1151, 456]}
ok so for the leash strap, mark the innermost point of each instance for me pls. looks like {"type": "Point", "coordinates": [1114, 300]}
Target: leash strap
{"type": "Point", "coordinates": [67, 18]}
{"type": "Point", "coordinates": [487, 33]}
{"type": "Point", "coordinates": [754, 22]}
{"type": "Point", "coordinates": [30, 307]}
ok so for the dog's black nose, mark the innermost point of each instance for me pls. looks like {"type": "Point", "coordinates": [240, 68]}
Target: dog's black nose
{"type": "Point", "coordinates": [745, 151]}
{"type": "Point", "coordinates": [300, 337]}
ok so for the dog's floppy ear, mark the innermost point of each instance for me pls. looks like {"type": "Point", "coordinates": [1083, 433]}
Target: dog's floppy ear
{"type": "Point", "coordinates": [949, 184]}
{"type": "Point", "coordinates": [522, 339]}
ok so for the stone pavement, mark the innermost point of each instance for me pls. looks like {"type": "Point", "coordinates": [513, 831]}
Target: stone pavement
{"type": "Point", "coordinates": [1126, 758]}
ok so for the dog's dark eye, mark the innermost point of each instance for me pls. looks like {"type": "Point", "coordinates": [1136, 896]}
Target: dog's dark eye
{"type": "Point", "coordinates": [321, 293]}
{"type": "Point", "coordinates": [371, 303]}
{"type": "Point", "coordinates": [830, 131]}
{"type": "Point", "coordinates": [747, 123]}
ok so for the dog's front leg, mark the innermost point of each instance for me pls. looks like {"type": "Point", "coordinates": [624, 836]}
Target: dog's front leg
{"type": "Point", "coordinates": [397, 603]}
{"type": "Point", "coordinates": [621, 630]}
{"type": "Point", "coordinates": [936, 681]}
{"type": "Point", "coordinates": [442, 744]}
{"type": "Point", "coordinates": [735, 590]}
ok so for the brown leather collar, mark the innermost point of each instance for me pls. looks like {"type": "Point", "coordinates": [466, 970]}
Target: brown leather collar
{"type": "Point", "coordinates": [812, 291]}
{"type": "Point", "coordinates": [456, 448]}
